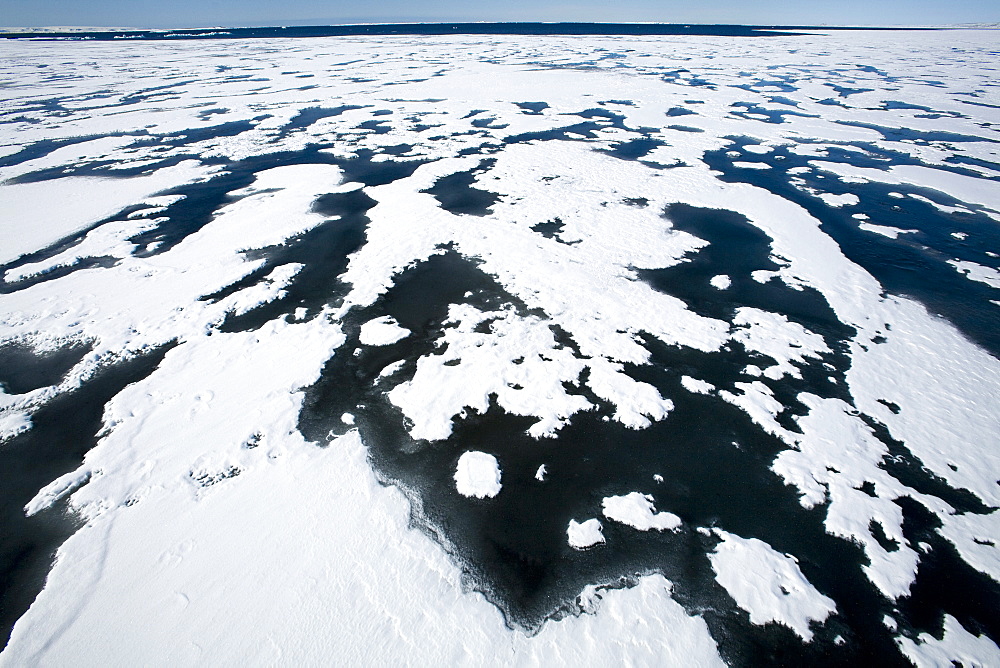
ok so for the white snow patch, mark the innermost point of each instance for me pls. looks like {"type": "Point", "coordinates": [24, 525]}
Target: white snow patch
{"type": "Point", "coordinates": [382, 331]}
{"type": "Point", "coordinates": [477, 474]}
{"type": "Point", "coordinates": [963, 188]}
{"type": "Point", "coordinates": [390, 369]}
{"type": "Point", "coordinates": [838, 201]}
{"type": "Point", "coordinates": [946, 389]}
{"type": "Point", "coordinates": [768, 585]}
{"type": "Point", "coordinates": [56, 490]}
{"type": "Point", "coordinates": [582, 535]}
{"type": "Point", "coordinates": [958, 646]}
{"type": "Point", "coordinates": [518, 361]}
{"type": "Point", "coordinates": [977, 272]}
{"type": "Point", "coordinates": [977, 539]}
{"type": "Point", "coordinates": [834, 457]}
{"type": "Point", "coordinates": [271, 288]}
{"type": "Point", "coordinates": [108, 240]}
{"type": "Point", "coordinates": [12, 423]}
{"type": "Point", "coordinates": [774, 335]}
{"type": "Point", "coordinates": [720, 281]}
{"type": "Point", "coordinates": [637, 511]}
{"type": "Point", "coordinates": [696, 386]}
{"type": "Point", "coordinates": [885, 230]}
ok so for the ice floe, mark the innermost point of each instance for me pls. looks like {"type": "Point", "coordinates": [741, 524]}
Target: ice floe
{"type": "Point", "coordinates": [477, 474]}
{"type": "Point", "coordinates": [637, 511]}
{"type": "Point", "coordinates": [885, 230]}
{"type": "Point", "coordinates": [769, 585]}
{"type": "Point", "coordinates": [382, 332]}
{"type": "Point", "coordinates": [582, 535]}
{"type": "Point", "coordinates": [957, 646]}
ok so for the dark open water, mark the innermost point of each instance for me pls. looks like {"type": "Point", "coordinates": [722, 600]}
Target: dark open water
{"type": "Point", "coordinates": [528, 28]}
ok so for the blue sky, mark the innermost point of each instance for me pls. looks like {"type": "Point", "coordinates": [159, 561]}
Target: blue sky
{"type": "Point", "coordinates": [196, 13]}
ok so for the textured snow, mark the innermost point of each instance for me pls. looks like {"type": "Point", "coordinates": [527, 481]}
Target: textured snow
{"type": "Point", "coordinates": [847, 199]}
{"type": "Point", "coordinates": [363, 570]}
{"type": "Point", "coordinates": [518, 361]}
{"type": "Point", "coordinates": [108, 240]}
{"type": "Point", "coordinates": [13, 422]}
{"type": "Point", "coordinates": [637, 511]}
{"type": "Point", "coordinates": [975, 538]}
{"type": "Point", "coordinates": [824, 472]}
{"type": "Point", "coordinates": [582, 535]}
{"type": "Point", "coordinates": [957, 646]}
{"type": "Point", "coordinates": [775, 336]}
{"type": "Point", "coordinates": [477, 474]}
{"type": "Point", "coordinates": [768, 585]}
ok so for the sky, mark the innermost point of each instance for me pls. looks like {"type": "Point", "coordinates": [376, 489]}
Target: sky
{"type": "Point", "coordinates": [232, 13]}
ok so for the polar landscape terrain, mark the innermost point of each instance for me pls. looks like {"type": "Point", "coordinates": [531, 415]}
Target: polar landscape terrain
{"type": "Point", "coordinates": [531, 350]}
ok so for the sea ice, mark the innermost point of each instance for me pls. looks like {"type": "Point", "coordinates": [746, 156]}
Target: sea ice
{"type": "Point", "coordinates": [695, 385]}
{"type": "Point", "coordinates": [578, 328]}
{"type": "Point", "coordinates": [477, 474]}
{"type": "Point", "coordinates": [885, 230]}
{"type": "Point", "coordinates": [582, 535]}
{"type": "Point", "coordinates": [721, 281]}
{"type": "Point", "coordinates": [958, 646]}
{"type": "Point", "coordinates": [382, 332]}
{"type": "Point", "coordinates": [637, 511]}
{"type": "Point", "coordinates": [768, 585]}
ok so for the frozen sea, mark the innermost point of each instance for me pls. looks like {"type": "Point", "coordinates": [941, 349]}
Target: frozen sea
{"type": "Point", "coordinates": [469, 349]}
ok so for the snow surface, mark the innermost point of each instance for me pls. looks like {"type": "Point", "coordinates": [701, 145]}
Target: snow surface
{"type": "Point", "coordinates": [33, 218]}
{"type": "Point", "coordinates": [477, 474]}
{"type": "Point", "coordinates": [697, 386]}
{"type": "Point", "coordinates": [637, 511]}
{"type": "Point", "coordinates": [957, 646]}
{"type": "Point", "coordinates": [720, 281]}
{"type": "Point", "coordinates": [885, 230]}
{"type": "Point", "coordinates": [382, 331]}
{"type": "Point", "coordinates": [977, 272]}
{"type": "Point", "coordinates": [768, 585]}
{"type": "Point", "coordinates": [582, 535]}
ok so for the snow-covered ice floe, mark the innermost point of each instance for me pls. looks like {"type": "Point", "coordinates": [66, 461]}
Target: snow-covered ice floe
{"type": "Point", "coordinates": [325, 347]}
{"type": "Point", "coordinates": [582, 535]}
{"type": "Point", "coordinates": [478, 475]}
